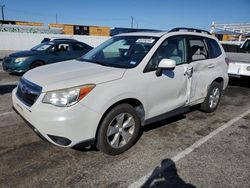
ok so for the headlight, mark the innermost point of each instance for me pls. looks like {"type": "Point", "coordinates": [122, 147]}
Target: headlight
{"type": "Point", "coordinates": [67, 97]}
{"type": "Point", "coordinates": [20, 59]}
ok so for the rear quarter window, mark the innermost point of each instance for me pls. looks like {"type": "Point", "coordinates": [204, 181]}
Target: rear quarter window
{"type": "Point", "coordinates": [214, 48]}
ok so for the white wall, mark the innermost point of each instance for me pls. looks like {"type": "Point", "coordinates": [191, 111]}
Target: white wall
{"type": "Point", "coordinates": [24, 41]}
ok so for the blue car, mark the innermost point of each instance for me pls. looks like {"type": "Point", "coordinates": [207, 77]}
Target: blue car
{"type": "Point", "coordinates": [45, 53]}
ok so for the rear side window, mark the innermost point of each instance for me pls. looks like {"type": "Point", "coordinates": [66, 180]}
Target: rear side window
{"type": "Point", "coordinates": [78, 47]}
{"type": "Point", "coordinates": [198, 49]}
{"type": "Point", "coordinates": [214, 48]}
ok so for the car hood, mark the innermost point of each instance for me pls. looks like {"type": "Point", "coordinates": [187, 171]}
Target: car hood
{"type": "Point", "coordinates": [72, 73]}
{"type": "Point", "coordinates": [25, 53]}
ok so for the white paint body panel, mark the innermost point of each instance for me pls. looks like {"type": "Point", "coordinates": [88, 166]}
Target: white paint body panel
{"type": "Point", "coordinates": [158, 95]}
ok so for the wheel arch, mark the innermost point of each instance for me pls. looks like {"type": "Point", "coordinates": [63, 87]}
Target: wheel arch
{"type": "Point", "coordinates": [37, 60]}
{"type": "Point", "coordinates": [137, 104]}
{"type": "Point", "coordinates": [219, 80]}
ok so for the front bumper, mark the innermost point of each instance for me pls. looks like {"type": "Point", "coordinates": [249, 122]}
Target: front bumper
{"type": "Point", "coordinates": [11, 67]}
{"type": "Point", "coordinates": [64, 127]}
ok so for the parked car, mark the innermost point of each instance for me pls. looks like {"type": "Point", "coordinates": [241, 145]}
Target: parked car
{"type": "Point", "coordinates": [127, 82]}
{"type": "Point", "coordinates": [48, 52]}
{"type": "Point", "coordinates": [239, 58]}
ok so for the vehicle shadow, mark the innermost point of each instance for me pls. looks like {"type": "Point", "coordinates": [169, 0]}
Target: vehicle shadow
{"type": "Point", "coordinates": [242, 82]}
{"type": "Point", "coordinates": [6, 89]}
{"type": "Point", "coordinates": [166, 176]}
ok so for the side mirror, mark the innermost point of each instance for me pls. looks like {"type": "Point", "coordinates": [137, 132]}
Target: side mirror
{"type": "Point", "coordinates": [165, 64]}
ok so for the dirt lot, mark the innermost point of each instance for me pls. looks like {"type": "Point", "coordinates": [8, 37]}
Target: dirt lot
{"type": "Point", "coordinates": [223, 160]}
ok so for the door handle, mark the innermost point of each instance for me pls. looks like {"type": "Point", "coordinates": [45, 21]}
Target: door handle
{"type": "Point", "coordinates": [210, 66]}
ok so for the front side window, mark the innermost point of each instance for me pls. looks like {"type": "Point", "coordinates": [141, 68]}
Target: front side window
{"type": "Point", "coordinates": [121, 51]}
{"type": "Point", "coordinates": [172, 48]}
{"type": "Point", "coordinates": [62, 47]}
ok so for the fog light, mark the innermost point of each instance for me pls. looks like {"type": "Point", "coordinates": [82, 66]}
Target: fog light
{"type": "Point", "coordinates": [60, 140]}
{"type": "Point", "coordinates": [248, 68]}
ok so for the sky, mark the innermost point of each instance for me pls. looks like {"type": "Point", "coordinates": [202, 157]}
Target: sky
{"type": "Point", "coordinates": [150, 14]}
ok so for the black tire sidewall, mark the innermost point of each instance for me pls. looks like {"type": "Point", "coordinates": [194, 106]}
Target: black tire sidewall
{"type": "Point", "coordinates": [102, 143]}
{"type": "Point", "coordinates": [205, 105]}
{"type": "Point", "coordinates": [36, 64]}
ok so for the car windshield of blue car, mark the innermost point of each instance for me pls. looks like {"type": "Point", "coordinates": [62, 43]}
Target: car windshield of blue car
{"type": "Point", "coordinates": [121, 51]}
{"type": "Point", "coordinates": [42, 46]}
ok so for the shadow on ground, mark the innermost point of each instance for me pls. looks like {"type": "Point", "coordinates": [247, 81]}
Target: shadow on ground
{"type": "Point", "coordinates": [166, 176]}
{"type": "Point", "coordinates": [242, 82]}
{"type": "Point", "coordinates": [6, 89]}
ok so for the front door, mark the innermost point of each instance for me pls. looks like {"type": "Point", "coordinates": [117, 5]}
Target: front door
{"type": "Point", "coordinates": [170, 90]}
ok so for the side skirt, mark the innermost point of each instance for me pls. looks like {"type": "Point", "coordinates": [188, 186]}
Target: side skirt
{"type": "Point", "coordinates": [172, 113]}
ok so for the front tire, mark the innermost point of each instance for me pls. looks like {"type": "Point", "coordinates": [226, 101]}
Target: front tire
{"type": "Point", "coordinates": [118, 130]}
{"type": "Point", "coordinates": [213, 98]}
{"type": "Point", "coordinates": [36, 64]}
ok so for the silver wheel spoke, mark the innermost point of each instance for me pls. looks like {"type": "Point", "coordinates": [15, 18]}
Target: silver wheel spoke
{"type": "Point", "coordinates": [112, 130]}
{"type": "Point", "coordinates": [120, 119]}
{"type": "Point", "coordinates": [128, 123]}
{"type": "Point", "coordinates": [120, 130]}
{"type": "Point", "coordinates": [126, 136]}
{"type": "Point", "coordinates": [214, 98]}
{"type": "Point", "coordinates": [215, 92]}
{"type": "Point", "coordinates": [115, 142]}
{"type": "Point", "coordinates": [211, 99]}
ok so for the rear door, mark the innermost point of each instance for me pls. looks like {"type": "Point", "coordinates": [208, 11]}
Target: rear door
{"type": "Point", "coordinates": [203, 68]}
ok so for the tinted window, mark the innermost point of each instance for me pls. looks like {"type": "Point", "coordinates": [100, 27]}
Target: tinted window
{"type": "Point", "coordinates": [62, 47]}
{"type": "Point", "coordinates": [78, 47]}
{"type": "Point", "coordinates": [172, 48]}
{"type": "Point", "coordinates": [214, 48]}
{"type": "Point", "coordinates": [247, 45]}
{"type": "Point", "coordinates": [198, 49]}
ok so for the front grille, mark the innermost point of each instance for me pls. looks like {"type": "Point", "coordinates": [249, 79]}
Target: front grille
{"type": "Point", "coordinates": [8, 60]}
{"type": "Point", "coordinates": [28, 92]}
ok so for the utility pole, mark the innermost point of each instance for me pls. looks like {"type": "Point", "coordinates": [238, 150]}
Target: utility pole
{"type": "Point", "coordinates": [132, 21]}
{"type": "Point", "coordinates": [2, 6]}
{"type": "Point", "coordinates": [56, 18]}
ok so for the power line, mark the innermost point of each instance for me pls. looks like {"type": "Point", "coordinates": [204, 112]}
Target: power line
{"type": "Point", "coordinates": [132, 21]}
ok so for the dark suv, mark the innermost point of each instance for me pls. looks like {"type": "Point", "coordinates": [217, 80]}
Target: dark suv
{"type": "Point", "coordinates": [48, 52]}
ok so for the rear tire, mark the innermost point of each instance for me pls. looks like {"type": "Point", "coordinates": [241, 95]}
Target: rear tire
{"type": "Point", "coordinates": [213, 98]}
{"type": "Point", "coordinates": [36, 64]}
{"type": "Point", "coordinates": [119, 130]}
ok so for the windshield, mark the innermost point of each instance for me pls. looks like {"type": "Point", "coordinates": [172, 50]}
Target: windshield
{"type": "Point", "coordinates": [121, 51]}
{"type": "Point", "coordinates": [43, 46]}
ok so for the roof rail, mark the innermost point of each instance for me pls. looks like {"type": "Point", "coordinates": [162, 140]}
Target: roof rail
{"type": "Point", "coordinates": [189, 30]}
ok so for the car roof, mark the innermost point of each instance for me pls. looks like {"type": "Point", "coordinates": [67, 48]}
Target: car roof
{"type": "Point", "coordinates": [150, 34]}
{"type": "Point", "coordinates": [64, 40]}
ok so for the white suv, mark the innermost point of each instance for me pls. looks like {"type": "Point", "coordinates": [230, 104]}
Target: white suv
{"type": "Point", "coordinates": [127, 82]}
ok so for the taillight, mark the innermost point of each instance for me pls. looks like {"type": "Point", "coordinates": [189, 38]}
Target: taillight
{"type": "Point", "coordinates": [227, 61]}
